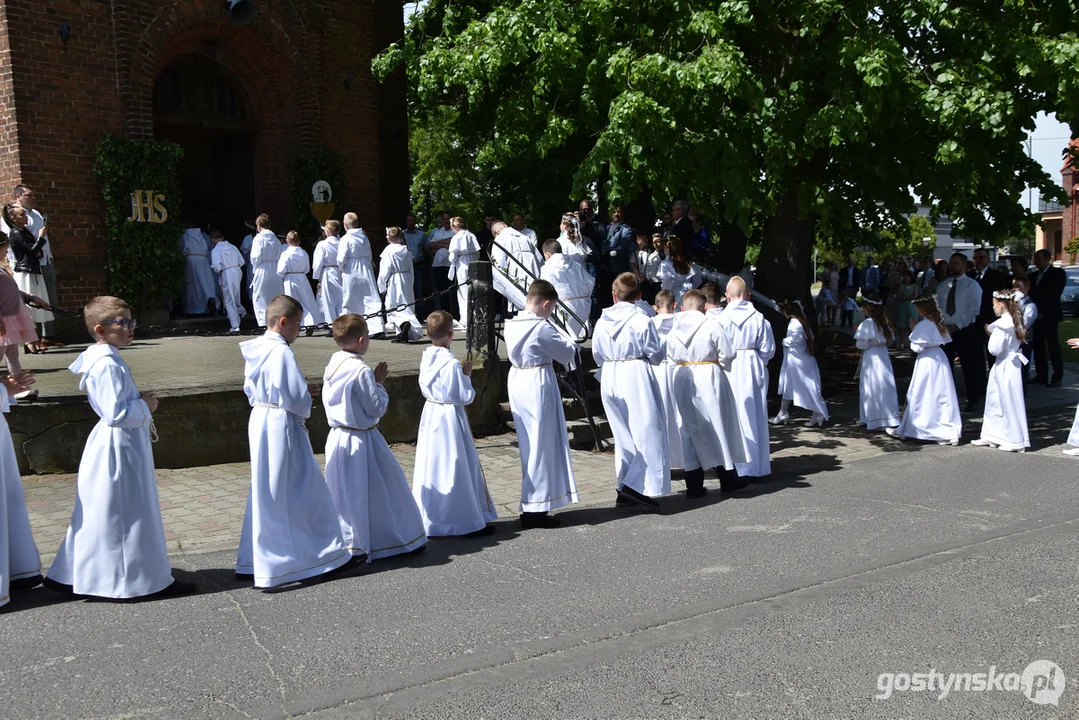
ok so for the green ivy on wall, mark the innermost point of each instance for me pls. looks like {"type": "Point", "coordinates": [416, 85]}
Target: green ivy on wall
{"type": "Point", "coordinates": [144, 263]}
{"type": "Point", "coordinates": [305, 168]}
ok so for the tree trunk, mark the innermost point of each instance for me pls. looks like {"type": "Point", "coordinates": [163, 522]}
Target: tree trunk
{"type": "Point", "coordinates": [730, 251]}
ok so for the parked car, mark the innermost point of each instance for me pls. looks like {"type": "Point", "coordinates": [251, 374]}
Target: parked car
{"type": "Point", "coordinates": [1069, 299]}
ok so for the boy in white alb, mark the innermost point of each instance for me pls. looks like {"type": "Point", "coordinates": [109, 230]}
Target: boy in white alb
{"type": "Point", "coordinates": [448, 481]}
{"type": "Point", "coordinates": [327, 273]}
{"type": "Point", "coordinates": [464, 248]}
{"type": "Point", "coordinates": [292, 267]}
{"type": "Point", "coordinates": [751, 338]}
{"type": "Point", "coordinates": [713, 299]}
{"type": "Point", "coordinates": [20, 564]}
{"type": "Point", "coordinates": [266, 284]}
{"type": "Point", "coordinates": [358, 275]}
{"type": "Point", "coordinates": [395, 280]}
{"type": "Point", "coordinates": [374, 504]}
{"type": "Point", "coordinates": [625, 346]}
{"type": "Point", "coordinates": [290, 531]}
{"type": "Point", "coordinates": [515, 258]}
{"type": "Point", "coordinates": [115, 545]}
{"type": "Point", "coordinates": [701, 354]}
{"type": "Point", "coordinates": [664, 321]}
{"type": "Point", "coordinates": [573, 284]}
{"type": "Point", "coordinates": [199, 287]}
{"type": "Point", "coordinates": [533, 344]}
{"type": "Point", "coordinates": [227, 262]}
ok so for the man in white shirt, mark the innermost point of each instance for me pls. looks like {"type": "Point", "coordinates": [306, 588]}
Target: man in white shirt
{"type": "Point", "coordinates": [438, 241]}
{"type": "Point", "coordinates": [416, 240]}
{"type": "Point", "coordinates": [24, 198]}
{"type": "Point", "coordinates": [518, 224]}
{"type": "Point", "coordinates": [960, 299]}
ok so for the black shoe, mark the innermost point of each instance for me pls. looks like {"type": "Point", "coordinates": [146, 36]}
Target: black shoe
{"type": "Point", "coordinates": [24, 584]}
{"type": "Point", "coordinates": [176, 589]}
{"type": "Point", "coordinates": [488, 529]}
{"type": "Point", "coordinates": [728, 487]}
{"type": "Point", "coordinates": [1055, 382]}
{"type": "Point", "coordinates": [642, 500]}
{"type": "Point", "coordinates": [696, 492]}
{"type": "Point", "coordinates": [59, 587]}
{"type": "Point", "coordinates": [245, 577]}
{"type": "Point", "coordinates": [415, 551]}
{"type": "Point", "coordinates": [621, 501]}
{"type": "Point", "coordinates": [539, 520]}
{"type": "Point", "coordinates": [1038, 380]}
{"type": "Point", "coordinates": [971, 406]}
{"type": "Point", "coordinates": [402, 333]}
{"type": "Point", "coordinates": [353, 561]}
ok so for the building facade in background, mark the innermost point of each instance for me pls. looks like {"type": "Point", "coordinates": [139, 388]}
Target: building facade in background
{"type": "Point", "coordinates": [237, 97]}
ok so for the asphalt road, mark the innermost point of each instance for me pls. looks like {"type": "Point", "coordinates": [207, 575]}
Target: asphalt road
{"type": "Point", "coordinates": [787, 604]}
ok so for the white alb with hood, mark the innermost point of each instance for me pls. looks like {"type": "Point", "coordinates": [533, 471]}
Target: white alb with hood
{"type": "Point", "coordinates": [701, 354]}
{"type": "Point", "coordinates": [115, 546]}
{"type": "Point", "coordinates": [360, 291]}
{"type": "Point", "coordinates": [464, 248]}
{"type": "Point", "coordinates": [625, 345]}
{"type": "Point", "coordinates": [395, 279]}
{"type": "Point", "coordinates": [293, 266]}
{"type": "Point", "coordinates": [533, 344]}
{"type": "Point", "coordinates": [448, 481]}
{"type": "Point", "coordinates": [510, 243]}
{"type": "Point", "coordinates": [374, 504]}
{"type": "Point", "coordinates": [754, 345]}
{"type": "Point", "coordinates": [266, 284]}
{"type": "Point", "coordinates": [663, 372]}
{"type": "Point", "coordinates": [326, 272]}
{"type": "Point", "coordinates": [290, 529]}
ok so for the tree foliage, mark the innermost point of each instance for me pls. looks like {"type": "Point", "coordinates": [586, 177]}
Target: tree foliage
{"type": "Point", "coordinates": [778, 118]}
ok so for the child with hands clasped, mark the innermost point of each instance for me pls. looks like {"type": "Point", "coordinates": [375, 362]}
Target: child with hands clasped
{"type": "Point", "coordinates": [1004, 424]}
{"type": "Point", "coordinates": [115, 546]}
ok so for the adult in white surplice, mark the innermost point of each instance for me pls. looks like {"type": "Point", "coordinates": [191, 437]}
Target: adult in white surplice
{"type": "Point", "coordinates": [464, 248]}
{"type": "Point", "coordinates": [326, 271]}
{"type": "Point", "coordinates": [701, 354]}
{"type": "Point", "coordinates": [360, 290]}
{"type": "Point", "coordinates": [510, 243]}
{"type": "Point", "coordinates": [395, 280]}
{"type": "Point", "coordinates": [20, 564]}
{"type": "Point", "coordinates": [625, 346]}
{"type": "Point", "coordinates": [290, 529]}
{"type": "Point", "coordinates": [448, 481]}
{"type": "Point", "coordinates": [533, 343]}
{"type": "Point", "coordinates": [751, 338]}
{"type": "Point", "coordinates": [378, 515]}
{"type": "Point", "coordinates": [266, 284]}
{"type": "Point", "coordinates": [293, 266]}
{"type": "Point", "coordinates": [199, 286]}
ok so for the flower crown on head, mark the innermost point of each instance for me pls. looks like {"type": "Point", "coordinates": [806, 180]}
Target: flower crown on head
{"type": "Point", "coordinates": [925, 300]}
{"type": "Point", "coordinates": [1004, 294]}
{"type": "Point", "coordinates": [871, 301]}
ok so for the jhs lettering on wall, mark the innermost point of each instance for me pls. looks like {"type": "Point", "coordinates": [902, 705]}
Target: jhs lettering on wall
{"type": "Point", "coordinates": [148, 206]}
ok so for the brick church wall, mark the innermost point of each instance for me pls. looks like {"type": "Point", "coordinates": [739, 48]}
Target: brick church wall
{"type": "Point", "coordinates": [57, 99]}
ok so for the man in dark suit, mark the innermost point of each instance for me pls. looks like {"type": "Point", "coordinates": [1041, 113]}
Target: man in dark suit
{"type": "Point", "coordinates": [990, 281]}
{"type": "Point", "coordinates": [619, 255]}
{"type": "Point", "coordinates": [1046, 286]}
{"type": "Point", "coordinates": [682, 226]}
{"type": "Point", "coordinates": [850, 278]}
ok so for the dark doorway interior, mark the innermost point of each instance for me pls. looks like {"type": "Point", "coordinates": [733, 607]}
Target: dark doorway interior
{"type": "Point", "coordinates": [203, 108]}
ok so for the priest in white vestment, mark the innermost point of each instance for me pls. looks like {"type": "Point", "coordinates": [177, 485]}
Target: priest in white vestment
{"type": "Point", "coordinates": [360, 290]}
{"type": "Point", "coordinates": [626, 346]}
{"type": "Point", "coordinates": [293, 266]}
{"type": "Point", "coordinates": [464, 248]}
{"type": "Point", "coordinates": [228, 263]}
{"type": "Point", "coordinates": [395, 280]}
{"type": "Point", "coordinates": [325, 271]}
{"type": "Point", "coordinates": [752, 340]}
{"type": "Point", "coordinates": [378, 516]}
{"type": "Point", "coordinates": [533, 345]}
{"type": "Point", "coordinates": [290, 531]}
{"type": "Point", "coordinates": [701, 355]}
{"type": "Point", "coordinates": [20, 564]}
{"type": "Point", "coordinates": [448, 481]}
{"type": "Point", "coordinates": [199, 287]}
{"type": "Point", "coordinates": [266, 284]}
{"type": "Point", "coordinates": [573, 284]}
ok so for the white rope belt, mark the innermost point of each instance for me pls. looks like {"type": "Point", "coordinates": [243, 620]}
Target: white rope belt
{"type": "Point", "coordinates": [295, 272]}
{"type": "Point", "coordinates": [531, 367]}
{"type": "Point", "coordinates": [438, 402]}
{"type": "Point", "coordinates": [277, 406]}
{"type": "Point", "coordinates": [353, 429]}
{"type": "Point", "coordinates": [635, 359]}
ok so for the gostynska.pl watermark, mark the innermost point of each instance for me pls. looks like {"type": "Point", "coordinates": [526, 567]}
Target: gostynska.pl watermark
{"type": "Point", "coordinates": [1042, 682]}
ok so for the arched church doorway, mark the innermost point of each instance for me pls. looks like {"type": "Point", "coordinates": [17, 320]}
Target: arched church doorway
{"type": "Point", "coordinates": [201, 106]}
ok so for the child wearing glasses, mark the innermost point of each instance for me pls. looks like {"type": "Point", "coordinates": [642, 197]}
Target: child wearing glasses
{"type": "Point", "coordinates": [115, 545]}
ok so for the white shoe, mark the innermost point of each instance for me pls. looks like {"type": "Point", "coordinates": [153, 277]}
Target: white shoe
{"type": "Point", "coordinates": [780, 419]}
{"type": "Point", "coordinates": [815, 421]}
{"type": "Point", "coordinates": [982, 443]}
{"type": "Point", "coordinates": [26, 395]}
{"type": "Point", "coordinates": [893, 432]}
{"type": "Point", "coordinates": [953, 443]}
{"type": "Point", "coordinates": [1074, 452]}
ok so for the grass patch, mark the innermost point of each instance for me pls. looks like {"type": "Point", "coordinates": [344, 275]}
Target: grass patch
{"type": "Point", "coordinates": [1069, 328]}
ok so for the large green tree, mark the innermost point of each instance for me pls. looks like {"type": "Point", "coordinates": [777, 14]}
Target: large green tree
{"type": "Point", "coordinates": [777, 117]}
